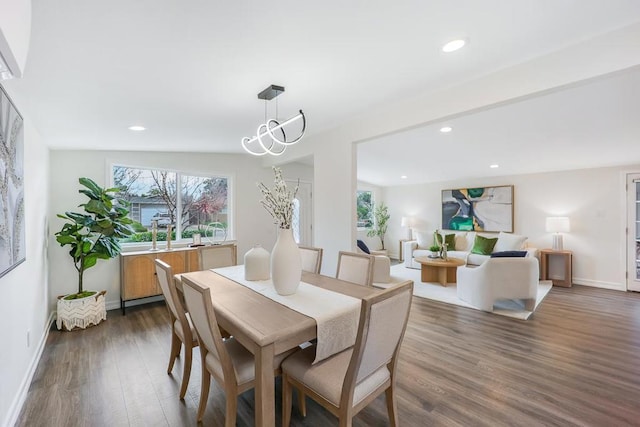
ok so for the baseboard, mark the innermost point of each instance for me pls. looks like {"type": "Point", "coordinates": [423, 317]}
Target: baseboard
{"type": "Point", "coordinates": [600, 284]}
{"type": "Point", "coordinates": [21, 396]}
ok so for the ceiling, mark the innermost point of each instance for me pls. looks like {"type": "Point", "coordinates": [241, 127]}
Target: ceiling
{"type": "Point", "coordinates": [594, 124]}
{"type": "Point", "coordinates": [190, 73]}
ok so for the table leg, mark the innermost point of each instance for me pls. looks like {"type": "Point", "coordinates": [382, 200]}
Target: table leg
{"type": "Point", "coordinates": [264, 392]}
{"type": "Point", "coordinates": [442, 276]}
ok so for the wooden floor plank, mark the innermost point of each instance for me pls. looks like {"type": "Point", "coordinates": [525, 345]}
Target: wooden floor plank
{"type": "Point", "coordinates": [575, 362]}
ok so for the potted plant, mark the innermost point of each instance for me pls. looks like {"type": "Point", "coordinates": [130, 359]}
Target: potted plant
{"type": "Point", "coordinates": [381, 216]}
{"type": "Point", "coordinates": [435, 251]}
{"type": "Point", "coordinates": [91, 235]}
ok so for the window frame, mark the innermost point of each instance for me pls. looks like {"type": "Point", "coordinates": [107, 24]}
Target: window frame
{"type": "Point", "coordinates": [179, 174]}
{"type": "Point", "coordinates": [358, 228]}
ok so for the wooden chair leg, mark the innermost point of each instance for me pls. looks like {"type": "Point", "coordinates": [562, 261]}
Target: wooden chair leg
{"type": "Point", "coordinates": [302, 402]}
{"type": "Point", "coordinates": [231, 410]}
{"type": "Point", "coordinates": [204, 390]}
{"type": "Point", "coordinates": [175, 351]}
{"type": "Point", "coordinates": [391, 407]}
{"type": "Point", "coordinates": [186, 371]}
{"type": "Point", "coordinates": [345, 420]}
{"type": "Point", "coordinates": [286, 400]}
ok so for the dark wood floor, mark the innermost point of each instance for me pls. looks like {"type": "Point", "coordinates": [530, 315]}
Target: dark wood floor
{"type": "Point", "coordinates": [575, 362]}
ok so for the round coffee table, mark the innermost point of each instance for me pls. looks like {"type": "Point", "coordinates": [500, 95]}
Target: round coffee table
{"type": "Point", "coordinates": [439, 270]}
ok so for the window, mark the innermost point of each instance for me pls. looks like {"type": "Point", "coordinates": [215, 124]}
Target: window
{"type": "Point", "coordinates": [201, 205]}
{"type": "Point", "coordinates": [364, 206]}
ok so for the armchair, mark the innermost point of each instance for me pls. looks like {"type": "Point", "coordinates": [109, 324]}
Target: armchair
{"type": "Point", "coordinates": [499, 278]}
{"type": "Point", "coordinates": [381, 263]}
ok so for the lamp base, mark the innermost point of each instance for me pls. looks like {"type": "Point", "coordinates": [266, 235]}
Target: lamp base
{"type": "Point", "coordinates": [557, 242]}
{"type": "Point", "coordinates": [409, 234]}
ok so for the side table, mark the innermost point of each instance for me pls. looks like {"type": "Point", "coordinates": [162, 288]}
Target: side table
{"type": "Point", "coordinates": [567, 281]}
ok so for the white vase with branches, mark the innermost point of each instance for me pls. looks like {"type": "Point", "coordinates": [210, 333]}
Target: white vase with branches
{"type": "Point", "coordinates": [286, 264]}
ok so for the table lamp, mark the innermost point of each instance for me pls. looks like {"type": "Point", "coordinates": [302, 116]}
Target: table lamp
{"type": "Point", "coordinates": [407, 221]}
{"type": "Point", "coordinates": [557, 225]}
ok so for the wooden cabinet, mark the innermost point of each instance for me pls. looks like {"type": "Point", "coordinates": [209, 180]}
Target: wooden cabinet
{"type": "Point", "coordinates": [138, 271]}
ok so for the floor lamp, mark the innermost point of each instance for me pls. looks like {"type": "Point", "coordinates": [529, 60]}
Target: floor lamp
{"type": "Point", "coordinates": [557, 225]}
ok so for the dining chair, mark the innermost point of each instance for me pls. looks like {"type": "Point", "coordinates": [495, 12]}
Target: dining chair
{"type": "Point", "coordinates": [355, 268]}
{"type": "Point", "coordinates": [215, 256]}
{"type": "Point", "coordinates": [348, 381]}
{"type": "Point", "coordinates": [182, 331]}
{"type": "Point", "coordinates": [227, 361]}
{"type": "Point", "coordinates": [311, 259]}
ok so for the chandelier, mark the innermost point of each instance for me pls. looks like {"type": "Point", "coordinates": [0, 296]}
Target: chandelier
{"type": "Point", "coordinates": [270, 137]}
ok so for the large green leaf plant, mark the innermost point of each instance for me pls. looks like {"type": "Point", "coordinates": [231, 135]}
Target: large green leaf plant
{"type": "Point", "coordinates": [94, 234]}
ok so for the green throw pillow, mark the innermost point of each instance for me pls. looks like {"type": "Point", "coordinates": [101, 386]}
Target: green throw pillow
{"type": "Point", "coordinates": [449, 239]}
{"type": "Point", "coordinates": [483, 245]}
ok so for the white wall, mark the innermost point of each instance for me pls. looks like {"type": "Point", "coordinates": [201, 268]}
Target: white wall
{"type": "Point", "coordinates": [252, 223]}
{"type": "Point", "coordinates": [24, 303]}
{"type": "Point", "coordinates": [15, 33]}
{"type": "Point", "coordinates": [591, 198]}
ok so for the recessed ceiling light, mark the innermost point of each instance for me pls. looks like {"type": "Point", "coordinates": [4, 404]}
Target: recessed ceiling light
{"type": "Point", "coordinates": [446, 129]}
{"type": "Point", "coordinates": [494, 166]}
{"type": "Point", "coordinates": [137, 128]}
{"type": "Point", "coordinates": [403, 177]}
{"type": "Point", "coordinates": [453, 45]}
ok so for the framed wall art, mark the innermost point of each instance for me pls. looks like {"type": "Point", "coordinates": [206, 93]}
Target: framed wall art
{"type": "Point", "coordinates": [478, 209]}
{"type": "Point", "coordinates": [12, 224]}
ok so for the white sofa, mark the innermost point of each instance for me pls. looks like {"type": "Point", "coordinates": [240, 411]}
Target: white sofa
{"type": "Point", "coordinates": [464, 241]}
{"type": "Point", "coordinates": [499, 279]}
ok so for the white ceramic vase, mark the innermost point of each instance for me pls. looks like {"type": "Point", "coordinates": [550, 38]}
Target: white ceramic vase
{"type": "Point", "coordinates": [256, 264]}
{"type": "Point", "coordinates": [286, 264]}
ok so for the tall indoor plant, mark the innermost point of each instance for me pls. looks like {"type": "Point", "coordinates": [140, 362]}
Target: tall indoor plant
{"type": "Point", "coordinates": [94, 233]}
{"type": "Point", "coordinates": [381, 218]}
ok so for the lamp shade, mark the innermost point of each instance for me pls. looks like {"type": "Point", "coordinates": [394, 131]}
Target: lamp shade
{"type": "Point", "coordinates": [558, 224]}
{"type": "Point", "coordinates": [406, 221]}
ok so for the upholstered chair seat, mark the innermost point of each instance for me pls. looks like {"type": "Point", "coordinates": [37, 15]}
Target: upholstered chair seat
{"type": "Point", "coordinates": [327, 377]}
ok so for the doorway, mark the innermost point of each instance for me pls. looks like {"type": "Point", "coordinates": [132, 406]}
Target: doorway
{"type": "Point", "coordinates": [633, 232]}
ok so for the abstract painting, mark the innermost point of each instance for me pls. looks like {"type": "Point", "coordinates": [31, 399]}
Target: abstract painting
{"type": "Point", "coordinates": [478, 209]}
{"type": "Point", "coordinates": [12, 235]}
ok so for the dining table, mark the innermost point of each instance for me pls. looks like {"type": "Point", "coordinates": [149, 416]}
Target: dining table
{"type": "Point", "coordinates": [265, 327]}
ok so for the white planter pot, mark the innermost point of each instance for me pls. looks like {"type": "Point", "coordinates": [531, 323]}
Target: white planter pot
{"type": "Point", "coordinates": [286, 263]}
{"type": "Point", "coordinates": [82, 312]}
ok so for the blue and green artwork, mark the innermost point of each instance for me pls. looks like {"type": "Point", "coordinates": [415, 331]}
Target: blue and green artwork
{"type": "Point", "coordinates": [478, 209]}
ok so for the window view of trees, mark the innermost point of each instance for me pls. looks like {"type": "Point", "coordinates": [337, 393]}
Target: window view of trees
{"type": "Point", "coordinates": [199, 207]}
{"type": "Point", "coordinates": [364, 205]}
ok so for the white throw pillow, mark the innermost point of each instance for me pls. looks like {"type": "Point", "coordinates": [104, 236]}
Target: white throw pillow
{"type": "Point", "coordinates": [471, 238]}
{"type": "Point", "coordinates": [425, 239]}
{"type": "Point", "coordinates": [509, 242]}
{"type": "Point", "coordinates": [461, 240]}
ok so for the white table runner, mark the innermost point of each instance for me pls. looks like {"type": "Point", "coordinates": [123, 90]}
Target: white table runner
{"type": "Point", "coordinates": [337, 315]}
